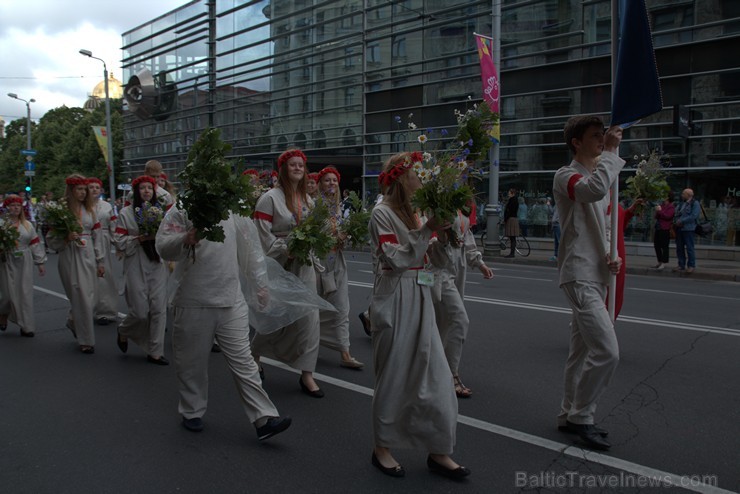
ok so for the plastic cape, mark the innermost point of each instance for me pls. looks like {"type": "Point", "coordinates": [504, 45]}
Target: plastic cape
{"type": "Point", "coordinates": [276, 297]}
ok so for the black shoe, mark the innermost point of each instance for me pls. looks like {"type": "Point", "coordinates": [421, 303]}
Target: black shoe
{"type": "Point", "coordinates": [261, 372]}
{"type": "Point", "coordinates": [27, 334]}
{"type": "Point", "coordinates": [3, 327]}
{"type": "Point", "coordinates": [193, 425]}
{"type": "Point", "coordinates": [314, 394]}
{"type": "Point", "coordinates": [122, 343]}
{"type": "Point", "coordinates": [215, 348]}
{"type": "Point", "coordinates": [457, 474]}
{"type": "Point", "coordinates": [159, 361]}
{"type": "Point", "coordinates": [573, 429]}
{"type": "Point", "coordinates": [396, 471]}
{"type": "Point", "coordinates": [89, 350]}
{"type": "Point", "coordinates": [588, 434]}
{"type": "Point", "coordinates": [274, 425]}
{"type": "Point", "coordinates": [510, 255]}
{"type": "Point", "coordinates": [104, 321]}
{"type": "Point", "coordinates": [365, 323]}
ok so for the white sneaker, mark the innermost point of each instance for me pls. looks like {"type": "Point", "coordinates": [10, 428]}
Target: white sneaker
{"type": "Point", "coordinates": [659, 267]}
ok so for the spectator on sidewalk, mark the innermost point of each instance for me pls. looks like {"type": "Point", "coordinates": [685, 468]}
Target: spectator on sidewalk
{"type": "Point", "coordinates": [686, 217]}
{"type": "Point", "coordinates": [663, 223]}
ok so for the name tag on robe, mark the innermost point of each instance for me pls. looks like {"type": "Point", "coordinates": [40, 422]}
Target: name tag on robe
{"type": "Point", "coordinates": [425, 278]}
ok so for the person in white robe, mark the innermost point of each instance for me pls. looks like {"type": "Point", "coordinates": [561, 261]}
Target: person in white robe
{"type": "Point", "coordinates": [457, 250]}
{"type": "Point", "coordinates": [153, 168]}
{"type": "Point", "coordinates": [414, 405]}
{"type": "Point", "coordinates": [80, 262]}
{"type": "Point", "coordinates": [333, 283]}
{"type": "Point", "coordinates": [145, 277]}
{"type": "Point", "coordinates": [277, 212]}
{"type": "Point", "coordinates": [106, 295]}
{"type": "Point", "coordinates": [208, 303]}
{"type": "Point", "coordinates": [16, 270]}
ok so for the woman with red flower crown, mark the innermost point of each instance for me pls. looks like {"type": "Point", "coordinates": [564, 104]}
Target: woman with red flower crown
{"type": "Point", "coordinates": [106, 295]}
{"type": "Point", "coordinates": [80, 260]}
{"type": "Point", "coordinates": [145, 276]}
{"type": "Point", "coordinates": [277, 212]}
{"type": "Point", "coordinates": [333, 282]}
{"type": "Point", "coordinates": [414, 405]}
{"type": "Point", "coordinates": [16, 270]}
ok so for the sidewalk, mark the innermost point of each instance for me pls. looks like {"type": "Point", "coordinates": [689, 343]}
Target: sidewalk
{"type": "Point", "coordinates": [706, 269]}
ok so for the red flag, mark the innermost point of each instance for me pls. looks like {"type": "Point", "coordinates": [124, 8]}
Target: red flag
{"type": "Point", "coordinates": [491, 87]}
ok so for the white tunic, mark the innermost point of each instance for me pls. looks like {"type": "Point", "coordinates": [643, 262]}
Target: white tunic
{"type": "Point", "coordinates": [16, 278]}
{"type": "Point", "coordinates": [145, 288]}
{"type": "Point", "coordinates": [78, 272]}
{"type": "Point", "coordinates": [297, 344]}
{"type": "Point", "coordinates": [414, 405]}
{"type": "Point", "coordinates": [106, 296]}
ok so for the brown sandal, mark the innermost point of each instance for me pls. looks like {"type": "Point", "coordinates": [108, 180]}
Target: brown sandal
{"type": "Point", "coordinates": [461, 390]}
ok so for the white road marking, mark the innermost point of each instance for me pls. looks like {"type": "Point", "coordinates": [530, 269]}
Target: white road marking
{"type": "Point", "coordinates": [684, 293]}
{"type": "Point", "coordinates": [564, 310]}
{"type": "Point", "coordinates": [561, 448]}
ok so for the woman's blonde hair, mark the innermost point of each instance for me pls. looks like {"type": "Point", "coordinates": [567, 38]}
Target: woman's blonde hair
{"type": "Point", "coordinates": [89, 203]}
{"type": "Point", "coordinates": [397, 195]}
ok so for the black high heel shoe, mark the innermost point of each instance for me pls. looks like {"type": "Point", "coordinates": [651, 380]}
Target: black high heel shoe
{"type": "Point", "coordinates": [317, 393]}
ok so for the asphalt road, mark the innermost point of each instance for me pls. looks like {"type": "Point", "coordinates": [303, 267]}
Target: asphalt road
{"type": "Point", "coordinates": [108, 423]}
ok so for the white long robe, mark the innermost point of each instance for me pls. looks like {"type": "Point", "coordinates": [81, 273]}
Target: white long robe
{"type": "Point", "coordinates": [414, 405]}
{"type": "Point", "coordinates": [106, 296]}
{"type": "Point", "coordinates": [333, 286]}
{"type": "Point", "coordinates": [297, 344]}
{"type": "Point", "coordinates": [145, 288]}
{"type": "Point", "coordinates": [16, 278]}
{"type": "Point", "coordinates": [78, 272]}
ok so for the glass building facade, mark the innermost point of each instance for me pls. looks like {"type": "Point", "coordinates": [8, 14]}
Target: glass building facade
{"type": "Point", "coordinates": [343, 79]}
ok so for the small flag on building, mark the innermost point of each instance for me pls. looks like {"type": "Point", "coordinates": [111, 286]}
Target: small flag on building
{"type": "Point", "coordinates": [102, 138]}
{"type": "Point", "coordinates": [491, 86]}
{"type": "Point", "coordinates": [636, 93]}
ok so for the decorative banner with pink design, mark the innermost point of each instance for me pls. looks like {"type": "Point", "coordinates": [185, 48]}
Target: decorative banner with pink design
{"type": "Point", "coordinates": [491, 86]}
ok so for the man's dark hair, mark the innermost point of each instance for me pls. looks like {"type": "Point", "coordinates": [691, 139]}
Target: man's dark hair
{"type": "Point", "coordinates": [577, 126]}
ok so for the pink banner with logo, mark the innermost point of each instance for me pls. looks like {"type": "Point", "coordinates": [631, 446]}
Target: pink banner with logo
{"type": "Point", "coordinates": [491, 86]}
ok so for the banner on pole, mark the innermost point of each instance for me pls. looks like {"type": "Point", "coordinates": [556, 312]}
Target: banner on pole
{"type": "Point", "coordinates": [101, 136]}
{"type": "Point", "coordinates": [491, 86]}
{"type": "Point", "coordinates": [636, 92]}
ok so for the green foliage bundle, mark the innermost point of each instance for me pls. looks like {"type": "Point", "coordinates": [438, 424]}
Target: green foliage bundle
{"type": "Point", "coordinates": [356, 225]}
{"type": "Point", "coordinates": [649, 183]}
{"type": "Point", "coordinates": [474, 130]}
{"type": "Point", "coordinates": [9, 236]}
{"type": "Point", "coordinates": [62, 221]}
{"type": "Point", "coordinates": [312, 236]}
{"type": "Point", "coordinates": [212, 189]}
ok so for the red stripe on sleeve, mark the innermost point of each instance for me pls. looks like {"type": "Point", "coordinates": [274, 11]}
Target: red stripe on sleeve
{"type": "Point", "coordinates": [34, 241]}
{"type": "Point", "coordinates": [113, 218]}
{"type": "Point", "coordinates": [391, 239]}
{"type": "Point", "coordinates": [121, 231]}
{"type": "Point", "coordinates": [572, 185]}
{"type": "Point", "coordinates": [96, 226]}
{"type": "Point", "coordinates": [259, 215]}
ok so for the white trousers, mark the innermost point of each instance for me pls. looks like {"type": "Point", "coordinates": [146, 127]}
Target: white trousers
{"type": "Point", "coordinates": [452, 321]}
{"type": "Point", "coordinates": [594, 352]}
{"type": "Point", "coordinates": [194, 329]}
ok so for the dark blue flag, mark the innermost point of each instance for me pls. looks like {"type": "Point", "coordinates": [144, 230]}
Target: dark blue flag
{"type": "Point", "coordinates": [636, 84]}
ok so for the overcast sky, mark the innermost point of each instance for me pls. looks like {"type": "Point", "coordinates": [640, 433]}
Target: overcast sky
{"type": "Point", "coordinates": [40, 41]}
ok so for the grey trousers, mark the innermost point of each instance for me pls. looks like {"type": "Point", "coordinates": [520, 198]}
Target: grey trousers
{"type": "Point", "coordinates": [194, 329]}
{"type": "Point", "coordinates": [452, 321]}
{"type": "Point", "coordinates": [594, 352]}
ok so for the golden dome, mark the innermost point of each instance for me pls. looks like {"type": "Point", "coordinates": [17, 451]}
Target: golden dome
{"type": "Point", "coordinates": [115, 89]}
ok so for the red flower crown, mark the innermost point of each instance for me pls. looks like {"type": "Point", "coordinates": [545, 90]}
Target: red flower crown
{"type": "Point", "coordinates": [75, 181]}
{"type": "Point", "coordinates": [313, 176]}
{"type": "Point", "coordinates": [251, 172]}
{"type": "Point", "coordinates": [387, 178]}
{"type": "Point", "coordinates": [12, 200]}
{"type": "Point", "coordinates": [94, 180]}
{"type": "Point", "coordinates": [291, 154]}
{"type": "Point", "coordinates": [329, 169]}
{"type": "Point", "coordinates": [163, 176]}
{"type": "Point", "coordinates": [144, 178]}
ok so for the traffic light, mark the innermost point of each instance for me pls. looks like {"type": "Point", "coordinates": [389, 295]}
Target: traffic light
{"type": "Point", "coordinates": [28, 184]}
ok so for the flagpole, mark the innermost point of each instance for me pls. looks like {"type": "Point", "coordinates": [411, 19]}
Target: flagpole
{"type": "Point", "coordinates": [614, 192]}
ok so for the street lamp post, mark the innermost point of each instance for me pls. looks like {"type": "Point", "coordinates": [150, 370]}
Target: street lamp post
{"type": "Point", "coordinates": [108, 134]}
{"type": "Point", "coordinates": [28, 126]}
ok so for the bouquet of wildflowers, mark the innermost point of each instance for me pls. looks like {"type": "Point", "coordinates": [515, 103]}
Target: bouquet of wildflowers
{"type": "Point", "coordinates": [212, 190]}
{"type": "Point", "coordinates": [444, 189]}
{"type": "Point", "coordinates": [649, 183]}
{"type": "Point", "coordinates": [313, 236]}
{"type": "Point", "coordinates": [474, 130]}
{"type": "Point", "coordinates": [62, 221]}
{"type": "Point", "coordinates": [9, 235]}
{"type": "Point", "coordinates": [148, 217]}
{"type": "Point", "coordinates": [356, 225]}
